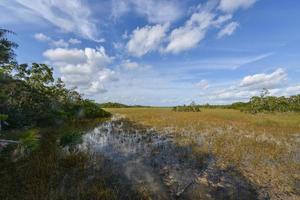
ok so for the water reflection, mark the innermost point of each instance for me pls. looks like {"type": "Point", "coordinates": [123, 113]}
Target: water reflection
{"type": "Point", "coordinates": [157, 167]}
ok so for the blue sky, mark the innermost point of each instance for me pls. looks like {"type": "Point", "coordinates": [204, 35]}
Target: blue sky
{"type": "Point", "coordinates": [162, 52]}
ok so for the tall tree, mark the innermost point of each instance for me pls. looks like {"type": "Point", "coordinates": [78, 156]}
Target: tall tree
{"type": "Point", "coordinates": [7, 47]}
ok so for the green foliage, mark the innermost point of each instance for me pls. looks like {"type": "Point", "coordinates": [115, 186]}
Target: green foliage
{"type": "Point", "coordinates": [29, 141]}
{"type": "Point", "coordinates": [113, 105]}
{"type": "Point", "coordinates": [30, 96]}
{"type": "Point", "coordinates": [33, 97]}
{"type": "Point", "coordinates": [257, 104]}
{"type": "Point", "coordinates": [71, 138]}
{"type": "Point", "coordinates": [7, 47]}
{"type": "Point", "coordinates": [3, 117]}
{"type": "Point", "coordinates": [273, 104]}
{"type": "Point", "coordinates": [193, 107]}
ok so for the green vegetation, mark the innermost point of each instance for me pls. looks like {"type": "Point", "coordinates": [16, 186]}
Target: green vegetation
{"type": "Point", "coordinates": [70, 138]}
{"type": "Point", "coordinates": [257, 104]}
{"type": "Point", "coordinates": [29, 140]}
{"type": "Point", "coordinates": [39, 117]}
{"type": "Point", "coordinates": [263, 147]}
{"type": "Point", "coordinates": [47, 172]}
{"type": "Point", "coordinates": [30, 96]}
{"type": "Point", "coordinates": [113, 105]}
{"type": "Point", "coordinates": [120, 105]}
{"type": "Point", "coordinates": [193, 107]}
{"type": "Point", "coordinates": [266, 103]}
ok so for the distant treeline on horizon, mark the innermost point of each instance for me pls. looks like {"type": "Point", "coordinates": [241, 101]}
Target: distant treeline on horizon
{"type": "Point", "coordinates": [256, 104]}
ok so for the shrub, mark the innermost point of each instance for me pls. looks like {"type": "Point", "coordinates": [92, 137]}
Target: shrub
{"type": "Point", "coordinates": [193, 107]}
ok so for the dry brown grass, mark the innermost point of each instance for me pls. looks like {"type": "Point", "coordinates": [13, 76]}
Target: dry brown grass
{"type": "Point", "coordinates": [265, 148]}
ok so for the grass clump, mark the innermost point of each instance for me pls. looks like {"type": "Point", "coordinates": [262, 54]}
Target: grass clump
{"type": "Point", "coordinates": [71, 138]}
{"type": "Point", "coordinates": [29, 140]}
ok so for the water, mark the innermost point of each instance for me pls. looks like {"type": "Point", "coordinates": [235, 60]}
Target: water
{"type": "Point", "coordinates": [158, 168]}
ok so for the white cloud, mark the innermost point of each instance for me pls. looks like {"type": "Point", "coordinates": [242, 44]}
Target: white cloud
{"type": "Point", "coordinates": [228, 29]}
{"type": "Point", "coordinates": [146, 39]}
{"type": "Point", "coordinates": [84, 68]}
{"type": "Point", "coordinates": [222, 19]}
{"type": "Point", "coordinates": [96, 87]}
{"type": "Point", "coordinates": [119, 46]}
{"type": "Point", "coordinates": [118, 8]}
{"type": "Point", "coordinates": [155, 11]}
{"type": "Point", "coordinates": [59, 43]}
{"type": "Point", "coordinates": [189, 35]}
{"type": "Point", "coordinates": [203, 84]}
{"type": "Point", "coordinates": [55, 43]}
{"type": "Point", "coordinates": [269, 81]}
{"type": "Point", "coordinates": [194, 30]}
{"type": "Point", "coordinates": [293, 90]}
{"type": "Point", "coordinates": [74, 41]}
{"type": "Point", "coordinates": [158, 11]}
{"type": "Point", "coordinates": [232, 5]}
{"type": "Point", "coordinates": [130, 65]}
{"type": "Point", "coordinates": [68, 16]}
{"type": "Point", "coordinates": [72, 56]}
{"type": "Point", "coordinates": [107, 75]}
{"type": "Point", "coordinates": [41, 37]}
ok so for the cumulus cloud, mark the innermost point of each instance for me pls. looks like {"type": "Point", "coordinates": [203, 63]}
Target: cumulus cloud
{"type": "Point", "coordinates": [196, 27]}
{"type": "Point", "coordinates": [228, 29]}
{"type": "Point", "coordinates": [107, 75]}
{"type": "Point", "coordinates": [72, 17]}
{"type": "Point", "coordinates": [249, 86]}
{"type": "Point", "coordinates": [41, 37]}
{"type": "Point", "coordinates": [146, 39]}
{"type": "Point", "coordinates": [293, 90]}
{"type": "Point", "coordinates": [269, 81]}
{"type": "Point", "coordinates": [72, 56]}
{"type": "Point", "coordinates": [189, 35]}
{"type": "Point", "coordinates": [233, 5]}
{"type": "Point", "coordinates": [204, 17]}
{"type": "Point", "coordinates": [85, 68]}
{"type": "Point", "coordinates": [96, 87]}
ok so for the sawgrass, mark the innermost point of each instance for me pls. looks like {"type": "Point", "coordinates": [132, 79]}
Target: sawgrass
{"type": "Point", "coordinates": [265, 148]}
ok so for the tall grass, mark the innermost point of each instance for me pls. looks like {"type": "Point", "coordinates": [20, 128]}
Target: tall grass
{"type": "Point", "coordinates": [47, 172]}
{"type": "Point", "coordinates": [263, 147]}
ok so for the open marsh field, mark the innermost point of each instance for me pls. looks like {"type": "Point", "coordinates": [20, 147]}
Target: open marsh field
{"type": "Point", "coordinates": [263, 148]}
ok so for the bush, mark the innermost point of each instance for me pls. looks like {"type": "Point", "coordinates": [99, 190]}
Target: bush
{"type": "Point", "coordinates": [193, 107]}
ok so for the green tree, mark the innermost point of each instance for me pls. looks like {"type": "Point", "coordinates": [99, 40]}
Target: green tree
{"type": "Point", "coordinates": [7, 47]}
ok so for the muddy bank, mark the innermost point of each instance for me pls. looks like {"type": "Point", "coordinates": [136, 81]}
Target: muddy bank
{"type": "Point", "coordinates": [158, 169]}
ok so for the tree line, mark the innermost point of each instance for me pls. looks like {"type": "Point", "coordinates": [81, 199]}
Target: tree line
{"type": "Point", "coordinates": [256, 104]}
{"type": "Point", "coordinates": [31, 96]}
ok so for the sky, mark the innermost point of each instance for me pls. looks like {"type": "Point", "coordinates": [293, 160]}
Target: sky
{"type": "Point", "coordinates": [162, 52]}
